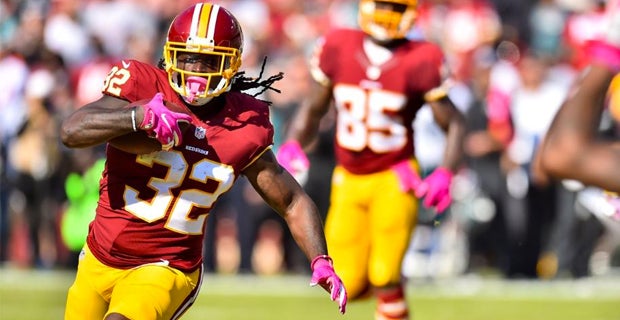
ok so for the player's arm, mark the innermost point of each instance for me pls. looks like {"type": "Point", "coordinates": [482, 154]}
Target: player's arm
{"type": "Point", "coordinates": [97, 122]}
{"type": "Point", "coordinates": [452, 122]}
{"type": "Point", "coordinates": [571, 149]}
{"type": "Point", "coordinates": [110, 117]}
{"type": "Point", "coordinates": [303, 131]}
{"type": "Point", "coordinates": [282, 192]}
{"type": "Point", "coordinates": [305, 123]}
{"type": "Point", "coordinates": [435, 188]}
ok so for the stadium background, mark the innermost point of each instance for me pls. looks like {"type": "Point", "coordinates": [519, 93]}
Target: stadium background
{"type": "Point", "coordinates": [501, 247]}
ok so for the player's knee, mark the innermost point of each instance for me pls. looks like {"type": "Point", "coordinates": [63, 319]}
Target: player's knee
{"type": "Point", "coordinates": [384, 279]}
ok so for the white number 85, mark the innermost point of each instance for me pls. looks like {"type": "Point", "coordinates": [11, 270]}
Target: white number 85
{"type": "Point", "coordinates": [367, 118]}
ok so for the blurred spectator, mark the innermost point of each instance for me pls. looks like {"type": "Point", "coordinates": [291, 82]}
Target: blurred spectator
{"type": "Point", "coordinates": [581, 26]}
{"type": "Point", "coordinates": [546, 23]}
{"type": "Point", "coordinates": [117, 25]}
{"type": "Point", "coordinates": [460, 27]}
{"type": "Point", "coordinates": [12, 105]}
{"type": "Point", "coordinates": [35, 156]}
{"type": "Point", "coordinates": [533, 199]}
{"type": "Point", "coordinates": [86, 78]}
{"type": "Point", "coordinates": [64, 33]}
{"type": "Point", "coordinates": [483, 213]}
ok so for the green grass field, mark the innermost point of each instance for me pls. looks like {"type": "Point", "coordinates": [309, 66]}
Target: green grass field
{"type": "Point", "coordinates": [40, 295]}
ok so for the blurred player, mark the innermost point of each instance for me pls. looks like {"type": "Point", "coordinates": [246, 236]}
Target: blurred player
{"type": "Point", "coordinates": [378, 80]}
{"type": "Point", "coordinates": [572, 150]}
{"type": "Point", "coordinates": [142, 258]}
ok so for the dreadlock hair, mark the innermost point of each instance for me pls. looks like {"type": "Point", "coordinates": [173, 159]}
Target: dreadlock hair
{"type": "Point", "coordinates": [241, 83]}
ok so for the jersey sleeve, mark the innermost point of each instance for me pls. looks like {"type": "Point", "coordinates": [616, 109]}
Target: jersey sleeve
{"type": "Point", "coordinates": [255, 133]}
{"type": "Point", "coordinates": [429, 68]}
{"type": "Point", "coordinates": [126, 78]}
{"type": "Point", "coordinates": [323, 66]}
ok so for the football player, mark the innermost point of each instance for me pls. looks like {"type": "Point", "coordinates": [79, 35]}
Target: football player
{"type": "Point", "coordinates": [143, 253]}
{"type": "Point", "coordinates": [377, 80]}
{"type": "Point", "coordinates": [571, 149]}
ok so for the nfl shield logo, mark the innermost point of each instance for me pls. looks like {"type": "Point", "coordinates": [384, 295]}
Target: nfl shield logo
{"type": "Point", "coordinates": [200, 132]}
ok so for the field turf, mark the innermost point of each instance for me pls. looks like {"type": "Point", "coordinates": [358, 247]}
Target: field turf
{"type": "Point", "coordinates": [40, 295]}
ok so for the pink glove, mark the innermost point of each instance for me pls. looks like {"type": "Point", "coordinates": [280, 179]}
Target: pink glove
{"type": "Point", "coordinates": [323, 274]}
{"type": "Point", "coordinates": [293, 158]}
{"type": "Point", "coordinates": [163, 124]}
{"type": "Point", "coordinates": [407, 176]}
{"type": "Point", "coordinates": [436, 190]}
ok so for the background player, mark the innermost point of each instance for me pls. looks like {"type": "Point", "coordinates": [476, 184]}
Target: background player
{"type": "Point", "coordinates": [143, 255]}
{"type": "Point", "coordinates": [572, 149]}
{"type": "Point", "coordinates": [378, 80]}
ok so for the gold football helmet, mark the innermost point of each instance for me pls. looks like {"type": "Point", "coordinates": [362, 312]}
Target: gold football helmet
{"type": "Point", "coordinates": [387, 20]}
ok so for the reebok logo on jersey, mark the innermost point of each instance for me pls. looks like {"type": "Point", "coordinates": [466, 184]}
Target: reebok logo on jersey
{"type": "Point", "coordinates": [125, 64]}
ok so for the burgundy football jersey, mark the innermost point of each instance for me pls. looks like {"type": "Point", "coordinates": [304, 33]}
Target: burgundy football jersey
{"type": "Point", "coordinates": [153, 208]}
{"type": "Point", "coordinates": [376, 103]}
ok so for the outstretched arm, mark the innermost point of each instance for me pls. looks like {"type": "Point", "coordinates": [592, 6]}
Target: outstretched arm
{"type": "Point", "coordinates": [280, 190]}
{"type": "Point", "coordinates": [571, 149]}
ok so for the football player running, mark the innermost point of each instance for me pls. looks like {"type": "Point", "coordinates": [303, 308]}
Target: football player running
{"type": "Point", "coordinates": [143, 253]}
{"type": "Point", "coordinates": [378, 80]}
{"type": "Point", "coordinates": [572, 149]}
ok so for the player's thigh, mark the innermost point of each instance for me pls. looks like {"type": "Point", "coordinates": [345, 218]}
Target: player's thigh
{"type": "Point", "coordinates": [86, 297]}
{"type": "Point", "coordinates": [155, 291]}
{"type": "Point", "coordinates": [393, 216]}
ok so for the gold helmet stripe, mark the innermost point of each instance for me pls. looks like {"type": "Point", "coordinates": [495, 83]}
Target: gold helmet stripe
{"type": "Point", "coordinates": [203, 21]}
{"type": "Point", "coordinates": [215, 9]}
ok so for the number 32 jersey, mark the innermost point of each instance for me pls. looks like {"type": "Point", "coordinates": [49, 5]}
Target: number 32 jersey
{"type": "Point", "coordinates": [153, 208]}
{"type": "Point", "coordinates": [376, 102]}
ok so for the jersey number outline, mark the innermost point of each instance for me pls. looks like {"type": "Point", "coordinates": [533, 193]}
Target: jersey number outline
{"type": "Point", "coordinates": [368, 118]}
{"type": "Point", "coordinates": [180, 206]}
{"type": "Point", "coordinates": [115, 79]}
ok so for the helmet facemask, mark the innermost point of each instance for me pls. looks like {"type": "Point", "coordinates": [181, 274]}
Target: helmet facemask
{"type": "Point", "coordinates": [199, 87]}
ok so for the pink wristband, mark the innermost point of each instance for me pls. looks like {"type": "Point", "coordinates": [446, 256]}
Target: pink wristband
{"type": "Point", "coordinates": [324, 257]}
